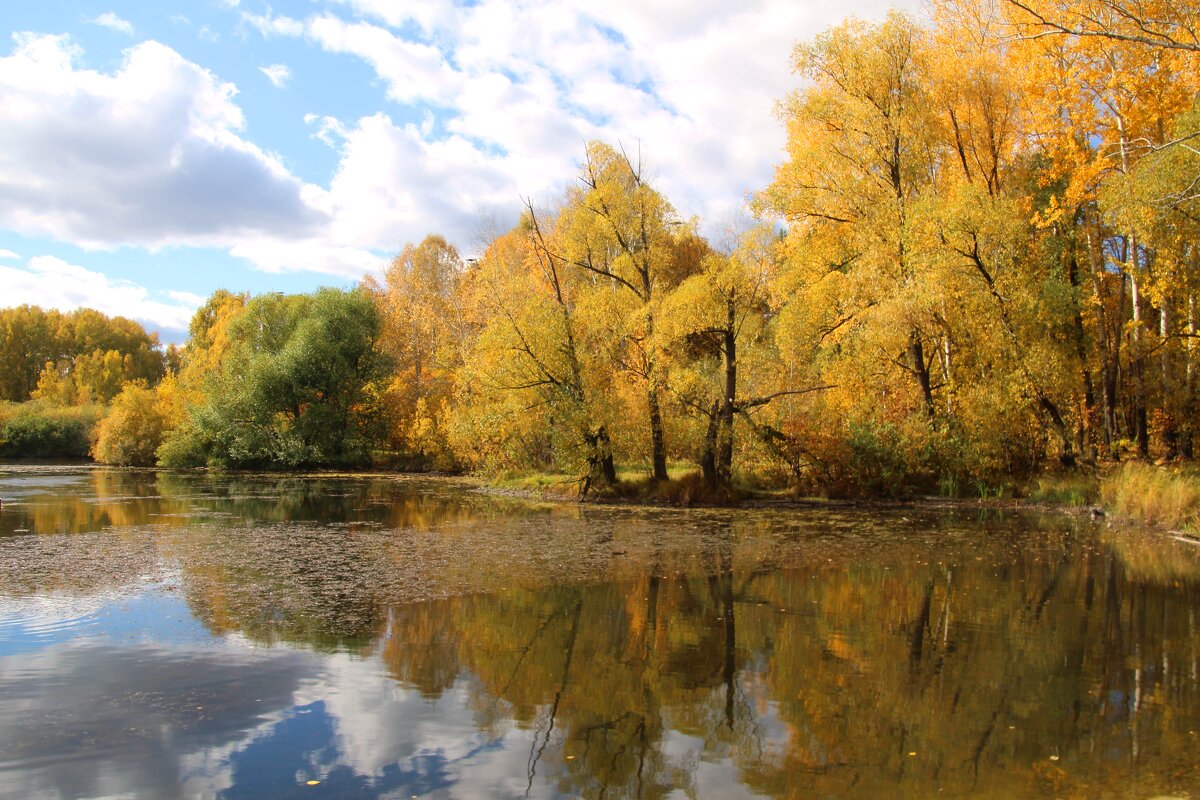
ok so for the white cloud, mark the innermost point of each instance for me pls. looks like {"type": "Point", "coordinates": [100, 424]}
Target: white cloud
{"type": "Point", "coordinates": [278, 74]}
{"type": "Point", "coordinates": [50, 282]}
{"type": "Point", "coordinates": [524, 85]}
{"type": "Point", "coordinates": [190, 299]}
{"type": "Point", "coordinates": [428, 16]}
{"type": "Point", "coordinates": [156, 152]}
{"type": "Point", "coordinates": [273, 25]}
{"type": "Point", "coordinates": [111, 21]}
{"type": "Point", "coordinates": [9, 255]}
{"type": "Point", "coordinates": [329, 130]}
{"type": "Point", "coordinates": [413, 71]}
{"type": "Point", "coordinates": [149, 155]}
{"type": "Point", "coordinates": [394, 185]}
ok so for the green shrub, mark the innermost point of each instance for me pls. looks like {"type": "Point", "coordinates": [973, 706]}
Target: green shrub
{"type": "Point", "coordinates": [35, 430]}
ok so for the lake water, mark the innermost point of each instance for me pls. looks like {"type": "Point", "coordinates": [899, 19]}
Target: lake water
{"type": "Point", "coordinates": [186, 635]}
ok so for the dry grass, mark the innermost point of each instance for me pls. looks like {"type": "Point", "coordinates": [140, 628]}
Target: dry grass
{"type": "Point", "coordinates": [1168, 497]}
{"type": "Point", "coordinates": [1074, 489]}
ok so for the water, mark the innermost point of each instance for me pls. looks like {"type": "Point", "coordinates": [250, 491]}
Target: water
{"type": "Point", "coordinates": [182, 635]}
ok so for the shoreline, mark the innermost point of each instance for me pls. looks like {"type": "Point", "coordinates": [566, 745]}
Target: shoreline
{"type": "Point", "coordinates": [751, 500]}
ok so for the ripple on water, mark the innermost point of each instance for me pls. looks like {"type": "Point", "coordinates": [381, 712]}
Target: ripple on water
{"type": "Point", "coordinates": [29, 623]}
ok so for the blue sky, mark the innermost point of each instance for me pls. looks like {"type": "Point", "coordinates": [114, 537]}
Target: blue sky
{"type": "Point", "coordinates": [152, 153]}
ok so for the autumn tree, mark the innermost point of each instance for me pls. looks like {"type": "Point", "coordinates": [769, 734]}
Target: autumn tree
{"type": "Point", "coordinates": [859, 156]}
{"type": "Point", "coordinates": [73, 358]}
{"type": "Point", "coordinates": [617, 229]}
{"type": "Point", "coordinates": [721, 347]}
{"type": "Point", "coordinates": [528, 395]}
{"type": "Point", "coordinates": [422, 334]}
{"type": "Point", "coordinates": [132, 431]}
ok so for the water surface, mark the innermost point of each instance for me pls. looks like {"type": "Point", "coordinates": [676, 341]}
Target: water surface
{"type": "Point", "coordinates": [185, 635]}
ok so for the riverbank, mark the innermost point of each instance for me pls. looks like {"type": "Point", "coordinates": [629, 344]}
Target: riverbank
{"type": "Point", "coordinates": [1162, 497]}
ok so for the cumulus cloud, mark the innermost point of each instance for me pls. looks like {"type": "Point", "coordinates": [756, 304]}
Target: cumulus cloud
{"type": "Point", "coordinates": [424, 185]}
{"type": "Point", "coordinates": [149, 155]}
{"type": "Point", "coordinates": [155, 153]}
{"type": "Point", "coordinates": [413, 71]}
{"type": "Point", "coordinates": [111, 21]}
{"type": "Point", "coordinates": [50, 282]}
{"type": "Point", "coordinates": [693, 87]}
{"type": "Point", "coordinates": [278, 74]}
{"type": "Point", "coordinates": [329, 130]}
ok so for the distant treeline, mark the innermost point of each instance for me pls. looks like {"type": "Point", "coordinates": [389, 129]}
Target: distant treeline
{"type": "Point", "coordinates": [978, 259]}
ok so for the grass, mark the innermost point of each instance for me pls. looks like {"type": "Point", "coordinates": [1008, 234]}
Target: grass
{"type": "Point", "coordinates": [684, 486]}
{"type": "Point", "coordinates": [1065, 490]}
{"type": "Point", "coordinates": [1167, 497]}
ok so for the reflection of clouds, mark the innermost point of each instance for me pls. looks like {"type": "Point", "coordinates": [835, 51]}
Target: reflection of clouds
{"type": "Point", "coordinates": [380, 725]}
{"type": "Point", "coordinates": [92, 719]}
{"type": "Point", "coordinates": [83, 720]}
{"type": "Point", "coordinates": [158, 616]}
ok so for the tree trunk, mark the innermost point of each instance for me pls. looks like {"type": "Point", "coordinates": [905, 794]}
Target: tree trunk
{"type": "Point", "coordinates": [602, 469]}
{"type": "Point", "coordinates": [708, 457]}
{"type": "Point", "coordinates": [916, 357]}
{"type": "Point", "coordinates": [1108, 364]}
{"type": "Point", "coordinates": [1187, 439]}
{"type": "Point", "coordinates": [658, 438]}
{"type": "Point", "coordinates": [1087, 427]}
{"type": "Point", "coordinates": [725, 446]}
{"type": "Point", "coordinates": [1141, 431]}
{"type": "Point", "coordinates": [1133, 268]}
{"type": "Point", "coordinates": [1170, 399]}
{"type": "Point", "coordinates": [658, 446]}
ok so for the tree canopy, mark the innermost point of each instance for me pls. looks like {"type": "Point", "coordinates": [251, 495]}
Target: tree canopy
{"type": "Point", "coordinates": [977, 259]}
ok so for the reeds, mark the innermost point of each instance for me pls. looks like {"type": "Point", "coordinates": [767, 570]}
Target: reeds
{"type": "Point", "coordinates": [1168, 497]}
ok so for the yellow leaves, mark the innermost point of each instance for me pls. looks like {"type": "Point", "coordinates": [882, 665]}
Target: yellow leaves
{"type": "Point", "coordinates": [132, 431]}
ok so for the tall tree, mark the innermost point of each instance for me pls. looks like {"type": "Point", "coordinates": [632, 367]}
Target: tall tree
{"type": "Point", "coordinates": [290, 387]}
{"type": "Point", "coordinates": [422, 334]}
{"type": "Point", "coordinates": [859, 156]}
{"type": "Point", "coordinates": [617, 228]}
{"type": "Point", "coordinates": [528, 394]}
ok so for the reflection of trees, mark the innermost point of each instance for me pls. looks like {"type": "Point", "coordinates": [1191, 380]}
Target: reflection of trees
{"type": "Point", "coordinates": [115, 498]}
{"type": "Point", "coordinates": [814, 654]}
{"type": "Point", "coordinates": [395, 501]}
{"type": "Point", "coordinates": [598, 673]}
{"type": "Point", "coordinates": [983, 671]}
{"type": "Point", "coordinates": [907, 671]}
{"type": "Point", "coordinates": [104, 499]}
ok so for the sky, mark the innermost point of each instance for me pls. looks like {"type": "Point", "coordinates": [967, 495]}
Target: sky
{"type": "Point", "coordinates": [151, 153]}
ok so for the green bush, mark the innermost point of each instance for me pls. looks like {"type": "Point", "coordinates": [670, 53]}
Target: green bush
{"type": "Point", "coordinates": [35, 430]}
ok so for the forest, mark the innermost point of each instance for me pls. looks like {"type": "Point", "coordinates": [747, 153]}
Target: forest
{"type": "Point", "coordinates": [977, 261]}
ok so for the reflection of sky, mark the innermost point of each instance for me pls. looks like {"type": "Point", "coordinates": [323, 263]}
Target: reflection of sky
{"type": "Point", "coordinates": [109, 717]}
{"type": "Point", "coordinates": [88, 719]}
{"type": "Point", "coordinates": [19, 486]}
{"type": "Point", "coordinates": [31, 623]}
{"type": "Point", "coordinates": [131, 697]}
{"type": "Point", "coordinates": [121, 692]}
